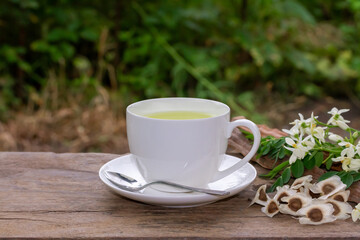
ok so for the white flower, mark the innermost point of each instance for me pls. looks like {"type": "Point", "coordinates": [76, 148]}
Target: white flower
{"type": "Point", "coordinates": [354, 165]}
{"type": "Point", "coordinates": [299, 149]}
{"type": "Point", "coordinates": [335, 138]}
{"type": "Point", "coordinates": [336, 118]}
{"type": "Point", "coordinates": [347, 157]}
{"type": "Point", "coordinates": [312, 120]}
{"type": "Point", "coordinates": [293, 132]}
{"type": "Point", "coordinates": [355, 214]}
{"type": "Point", "coordinates": [313, 130]}
{"type": "Point", "coordinates": [348, 163]}
{"type": "Point", "coordinates": [357, 148]}
{"type": "Point", "coordinates": [300, 124]}
{"type": "Point", "coordinates": [319, 133]}
{"type": "Point", "coordinates": [349, 149]}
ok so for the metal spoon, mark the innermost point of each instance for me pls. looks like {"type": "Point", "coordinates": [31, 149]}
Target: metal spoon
{"type": "Point", "coordinates": [135, 186]}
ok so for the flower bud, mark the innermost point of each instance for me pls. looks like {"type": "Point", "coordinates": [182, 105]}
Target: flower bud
{"type": "Point", "coordinates": [335, 137]}
{"type": "Point", "coordinates": [342, 125]}
{"type": "Point", "coordinates": [356, 135]}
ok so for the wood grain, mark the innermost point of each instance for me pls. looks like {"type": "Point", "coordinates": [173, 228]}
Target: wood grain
{"type": "Point", "coordinates": [47, 195]}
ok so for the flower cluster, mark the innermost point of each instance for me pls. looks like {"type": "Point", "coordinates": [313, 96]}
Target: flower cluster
{"type": "Point", "coordinates": [310, 134]}
{"type": "Point", "coordinates": [311, 143]}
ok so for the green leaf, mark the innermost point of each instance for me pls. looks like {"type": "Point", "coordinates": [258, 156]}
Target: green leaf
{"type": "Point", "coordinates": [347, 179]}
{"type": "Point", "coordinates": [30, 4]}
{"type": "Point", "coordinates": [319, 158]}
{"type": "Point", "coordinates": [279, 142]}
{"type": "Point", "coordinates": [67, 49]}
{"type": "Point", "coordinates": [61, 34]}
{"type": "Point", "coordinates": [25, 66]}
{"type": "Point", "coordinates": [247, 100]}
{"type": "Point", "coordinates": [327, 175]}
{"type": "Point", "coordinates": [278, 183]}
{"type": "Point", "coordinates": [341, 174]}
{"type": "Point", "coordinates": [297, 168]}
{"type": "Point", "coordinates": [274, 154]}
{"type": "Point", "coordinates": [282, 153]}
{"type": "Point", "coordinates": [309, 163]}
{"type": "Point", "coordinates": [298, 10]}
{"type": "Point", "coordinates": [356, 177]}
{"type": "Point", "coordinates": [329, 164]}
{"type": "Point", "coordinates": [286, 174]}
{"type": "Point", "coordinates": [89, 34]}
{"type": "Point", "coordinates": [266, 150]}
{"type": "Point", "coordinates": [40, 46]}
{"type": "Point", "coordinates": [300, 60]}
{"type": "Point", "coordinates": [311, 90]}
{"type": "Point", "coordinates": [179, 79]}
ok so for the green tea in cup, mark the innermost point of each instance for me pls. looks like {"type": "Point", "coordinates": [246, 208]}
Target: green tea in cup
{"type": "Point", "coordinates": [178, 115]}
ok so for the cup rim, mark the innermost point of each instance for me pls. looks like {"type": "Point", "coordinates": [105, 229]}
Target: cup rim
{"type": "Point", "coordinates": [227, 111]}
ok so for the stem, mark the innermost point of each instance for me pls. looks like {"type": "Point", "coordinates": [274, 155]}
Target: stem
{"type": "Point", "coordinates": [351, 136]}
{"type": "Point", "coordinates": [324, 124]}
{"type": "Point", "coordinates": [277, 169]}
{"type": "Point", "coordinates": [353, 129]}
{"type": "Point", "coordinates": [317, 141]}
{"type": "Point", "coordinates": [327, 150]}
{"type": "Point", "coordinates": [330, 156]}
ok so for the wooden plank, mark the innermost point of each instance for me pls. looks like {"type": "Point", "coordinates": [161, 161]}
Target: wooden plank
{"type": "Point", "coordinates": [47, 195]}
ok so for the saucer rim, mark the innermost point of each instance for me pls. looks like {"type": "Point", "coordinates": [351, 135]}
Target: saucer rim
{"type": "Point", "coordinates": [170, 199]}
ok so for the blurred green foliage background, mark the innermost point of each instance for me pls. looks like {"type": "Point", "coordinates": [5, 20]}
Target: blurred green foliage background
{"type": "Point", "coordinates": [242, 52]}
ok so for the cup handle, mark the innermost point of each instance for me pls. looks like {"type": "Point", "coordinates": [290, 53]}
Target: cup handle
{"type": "Point", "coordinates": [257, 137]}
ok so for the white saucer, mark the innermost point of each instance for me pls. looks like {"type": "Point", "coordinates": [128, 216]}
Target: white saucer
{"type": "Point", "coordinates": [234, 183]}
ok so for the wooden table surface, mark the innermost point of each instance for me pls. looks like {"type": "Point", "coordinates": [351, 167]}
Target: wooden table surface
{"type": "Point", "coordinates": [48, 195]}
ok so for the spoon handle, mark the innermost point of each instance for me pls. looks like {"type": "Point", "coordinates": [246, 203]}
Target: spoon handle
{"type": "Point", "coordinates": [195, 189]}
{"type": "Point", "coordinates": [138, 188]}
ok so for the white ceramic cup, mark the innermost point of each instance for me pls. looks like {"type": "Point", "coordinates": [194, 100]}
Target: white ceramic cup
{"type": "Point", "coordinates": [188, 152]}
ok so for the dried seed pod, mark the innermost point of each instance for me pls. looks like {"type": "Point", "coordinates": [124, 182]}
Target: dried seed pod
{"type": "Point", "coordinates": [271, 208]}
{"type": "Point", "coordinates": [294, 203]}
{"type": "Point", "coordinates": [342, 210]}
{"type": "Point", "coordinates": [260, 197]}
{"type": "Point", "coordinates": [316, 214]}
{"type": "Point", "coordinates": [328, 187]}
{"type": "Point", "coordinates": [312, 194]}
{"type": "Point", "coordinates": [283, 191]}
{"type": "Point", "coordinates": [342, 196]}
{"type": "Point", "coordinates": [301, 182]}
{"type": "Point", "coordinates": [305, 189]}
